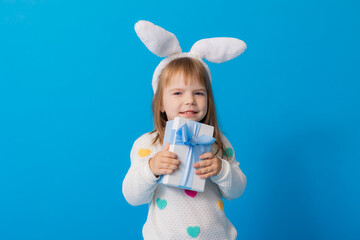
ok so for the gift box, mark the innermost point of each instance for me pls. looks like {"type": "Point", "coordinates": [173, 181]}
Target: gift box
{"type": "Point", "coordinates": [188, 140]}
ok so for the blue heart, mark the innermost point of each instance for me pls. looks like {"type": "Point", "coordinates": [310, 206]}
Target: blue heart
{"type": "Point", "coordinates": [161, 203]}
{"type": "Point", "coordinates": [193, 231]}
{"type": "Point", "coordinates": [229, 152]}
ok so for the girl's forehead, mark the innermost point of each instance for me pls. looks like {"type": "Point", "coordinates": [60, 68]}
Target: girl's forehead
{"type": "Point", "coordinates": [181, 80]}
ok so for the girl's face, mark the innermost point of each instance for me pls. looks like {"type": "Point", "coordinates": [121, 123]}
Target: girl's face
{"type": "Point", "coordinates": [184, 100]}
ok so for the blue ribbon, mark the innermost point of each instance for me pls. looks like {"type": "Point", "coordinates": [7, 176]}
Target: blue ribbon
{"type": "Point", "coordinates": [187, 135]}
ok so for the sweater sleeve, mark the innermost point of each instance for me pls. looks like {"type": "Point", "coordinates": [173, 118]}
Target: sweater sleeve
{"type": "Point", "coordinates": [231, 180]}
{"type": "Point", "coordinates": [140, 183]}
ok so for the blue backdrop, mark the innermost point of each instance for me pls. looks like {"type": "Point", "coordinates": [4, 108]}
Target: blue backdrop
{"type": "Point", "coordinates": [75, 92]}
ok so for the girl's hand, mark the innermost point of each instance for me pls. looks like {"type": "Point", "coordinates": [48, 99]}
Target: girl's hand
{"type": "Point", "coordinates": [164, 162]}
{"type": "Point", "coordinates": [209, 166]}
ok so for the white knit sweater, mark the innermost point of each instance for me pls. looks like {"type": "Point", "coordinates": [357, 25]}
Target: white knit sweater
{"type": "Point", "coordinates": [175, 213]}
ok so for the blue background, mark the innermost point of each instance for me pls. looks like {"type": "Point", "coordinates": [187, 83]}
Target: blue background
{"type": "Point", "coordinates": [75, 93]}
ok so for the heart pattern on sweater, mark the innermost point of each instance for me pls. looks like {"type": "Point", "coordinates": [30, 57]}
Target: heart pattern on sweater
{"type": "Point", "coordinates": [143, 152]}
{"type": "Point", "coordinates": [190, 193]}
{"type": "Point", "coordinates": [229, 152]}
{"type": "Point", "coordinates": [193, 231]}
{"type": "Point", "coordinates": [220, 205]}
{"type": "Point", "coordinates": [161, 203]}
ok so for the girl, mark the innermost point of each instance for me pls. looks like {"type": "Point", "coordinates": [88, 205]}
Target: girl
{"type": "Point", "coordinates": [182, 87]}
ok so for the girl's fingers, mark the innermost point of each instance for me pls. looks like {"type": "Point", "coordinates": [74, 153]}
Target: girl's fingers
{"type": "Point", "coordinates": [168, 166]}
{"type": "Point", "coordinates": [166, 147]}
{"type": "Point", "coordinates": [204, 170]}
{"type": "Point", "coordinates": [207, 155]}
{"type": "Point", "coordinates": [166, 171]}
{"type": "Point", "coordinates": [203, 163]}
{"type": "Point", "coordinates": [206, 173]}
{"type": "Point", "coordinates": [174, 161]}
{"type": "Point", "coordinates": [171, 161]}
{"type": "Point", "coordinates": [169, 154]}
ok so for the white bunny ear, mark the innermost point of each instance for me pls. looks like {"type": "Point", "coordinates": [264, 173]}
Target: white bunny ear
{"type": "Point", "coordinates": [156, 39]}
{"type": "Point", "coordinates": [219, 50]}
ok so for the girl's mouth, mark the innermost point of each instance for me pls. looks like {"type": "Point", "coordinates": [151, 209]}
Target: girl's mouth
{"type": "Point", "coordinates": [188, 113]}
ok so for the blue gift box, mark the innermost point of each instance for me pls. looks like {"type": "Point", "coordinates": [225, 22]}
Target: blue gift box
{"type": "Point", "coordinates": [188, 140]}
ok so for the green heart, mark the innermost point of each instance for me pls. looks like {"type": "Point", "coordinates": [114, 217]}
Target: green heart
{"type": "Point", "coordinates": [229, 152]}
{"type": "Point", "coordinates": [161, 203]}
{"type": "Point", "coordinates": [193, 231]}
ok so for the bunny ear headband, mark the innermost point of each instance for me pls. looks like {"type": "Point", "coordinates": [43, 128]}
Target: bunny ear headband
{"type": "Point", "coordinates": [165, 44]}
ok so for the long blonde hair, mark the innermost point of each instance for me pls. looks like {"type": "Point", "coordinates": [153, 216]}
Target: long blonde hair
{"type": "Point", "coordinates": [192, 70]}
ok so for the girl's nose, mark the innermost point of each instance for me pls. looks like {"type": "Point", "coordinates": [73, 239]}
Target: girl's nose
{"type": "Point", "coordinates": [190, 99]}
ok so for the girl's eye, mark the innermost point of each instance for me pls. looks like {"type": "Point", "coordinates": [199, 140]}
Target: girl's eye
{"type": "Point", "coordinates": [199, 93]}
{"type": "Point", "coordinates": [177, 93]}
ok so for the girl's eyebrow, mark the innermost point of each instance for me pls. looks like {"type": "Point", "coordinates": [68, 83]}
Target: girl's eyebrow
{"type": "Point", "coordinates": [176, 89]}
{"type": "Point", "coordinates": [181, 89]}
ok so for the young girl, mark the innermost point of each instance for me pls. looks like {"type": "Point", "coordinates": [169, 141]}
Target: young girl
{"type": "Point", "coordinates": [182, 87]}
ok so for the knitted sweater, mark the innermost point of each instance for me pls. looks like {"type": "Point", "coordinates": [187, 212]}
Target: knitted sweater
{"type": "Point", "coordinates": [176, 213]}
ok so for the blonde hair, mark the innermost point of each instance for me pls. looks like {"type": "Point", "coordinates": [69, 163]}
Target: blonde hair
{"type": "Point", "coordinates": [192, 70]}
